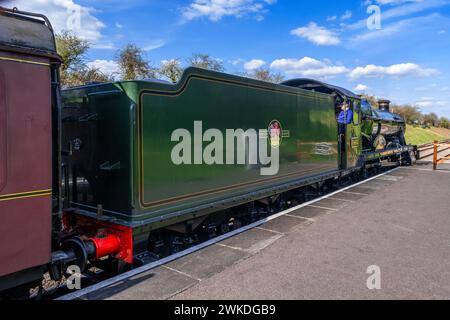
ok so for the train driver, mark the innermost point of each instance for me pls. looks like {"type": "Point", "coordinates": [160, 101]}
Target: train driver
{"type": "Point", "coordinates": [346, 114]}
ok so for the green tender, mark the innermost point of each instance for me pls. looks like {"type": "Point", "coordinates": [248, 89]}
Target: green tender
{"type": "Point", "coordinates": [120, 134]}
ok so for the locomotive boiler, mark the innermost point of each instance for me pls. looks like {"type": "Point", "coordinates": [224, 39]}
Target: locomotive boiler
{"type": "Point", "coordinates": [382, 129]}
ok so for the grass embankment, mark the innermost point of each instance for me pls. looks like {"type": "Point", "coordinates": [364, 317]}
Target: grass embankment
{"type": "Point", "coordinates": [419, 136]}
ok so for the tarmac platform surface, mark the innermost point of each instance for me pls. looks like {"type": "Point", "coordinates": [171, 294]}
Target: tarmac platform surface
{"type": "Point", "coordinates": [399, 222]}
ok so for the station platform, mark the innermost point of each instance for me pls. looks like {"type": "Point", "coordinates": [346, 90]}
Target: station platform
{"type": "Point", "coordinates": [399, 222]}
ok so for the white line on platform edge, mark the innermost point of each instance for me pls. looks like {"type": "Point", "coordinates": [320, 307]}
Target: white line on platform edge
{"type": "Point", "coordinates": [153, 265]}
{"type": "Point", "coordinates": [324, 208]}
{"type": "Point", "coordinates": [429, 170]}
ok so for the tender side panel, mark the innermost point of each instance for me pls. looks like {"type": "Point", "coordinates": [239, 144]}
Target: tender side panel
{"type": "Point", "coordinates": [26, 132]}
{"type": "Point", "coordinates": [308, 146]}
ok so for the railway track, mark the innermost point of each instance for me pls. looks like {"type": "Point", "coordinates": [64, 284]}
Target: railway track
{"type": "Point", "coordinates": [94, 284]}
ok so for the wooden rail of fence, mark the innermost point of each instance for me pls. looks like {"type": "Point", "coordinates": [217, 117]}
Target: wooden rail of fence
{"type": "Point", "coordinates": [436, 159]}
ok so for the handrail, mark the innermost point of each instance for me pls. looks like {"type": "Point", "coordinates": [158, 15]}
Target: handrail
{"type": "Point", "coordinates": [30, 14]}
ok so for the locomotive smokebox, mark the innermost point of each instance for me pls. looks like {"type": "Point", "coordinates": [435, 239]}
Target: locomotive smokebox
{"type": "Point", "coordinates": [383, 105]}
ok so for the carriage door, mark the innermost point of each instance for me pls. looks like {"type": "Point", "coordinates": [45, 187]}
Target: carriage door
{"type": "Point", "coordinates": [26, 153]}
{"type": "Point", "coordinates": [2, 133]}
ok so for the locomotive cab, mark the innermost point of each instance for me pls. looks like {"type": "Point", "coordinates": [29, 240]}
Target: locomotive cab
{"type": "Point", "coordinates": [348, 133]}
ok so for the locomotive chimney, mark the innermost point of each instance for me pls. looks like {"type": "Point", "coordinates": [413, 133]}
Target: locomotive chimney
{"type": "Point", "coordinates": [383, 105]}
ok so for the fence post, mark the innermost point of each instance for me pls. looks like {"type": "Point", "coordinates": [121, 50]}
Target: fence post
{"type": "Point", "coordinates": [435, 153]}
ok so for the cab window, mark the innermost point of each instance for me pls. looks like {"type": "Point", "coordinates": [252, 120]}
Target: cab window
{"type": "Point", "coordinates": [366, 108]}
{"type": "Point", "coordinates": [356, 112]}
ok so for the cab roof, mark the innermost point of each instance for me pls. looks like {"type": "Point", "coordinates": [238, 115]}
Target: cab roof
{"type": "Point", "coordinates": [314, 85]}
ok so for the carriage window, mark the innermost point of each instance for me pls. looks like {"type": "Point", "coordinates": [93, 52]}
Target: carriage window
{"type": "Point", "coordinates": [2, 132]}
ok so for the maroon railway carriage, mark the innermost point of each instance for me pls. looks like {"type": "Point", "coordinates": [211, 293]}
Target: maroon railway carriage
{"type": "Point", "coordinates": [28, 124]}
{"type": "Point", "coordinates": [32, 237]}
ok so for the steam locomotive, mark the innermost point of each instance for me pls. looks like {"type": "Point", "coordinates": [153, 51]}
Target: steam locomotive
{"type": "Point", "coordinates": [88, 176]}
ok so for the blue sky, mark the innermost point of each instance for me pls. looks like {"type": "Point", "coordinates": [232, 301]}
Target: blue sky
{"type": "Point", "coordinates": [406, 60]}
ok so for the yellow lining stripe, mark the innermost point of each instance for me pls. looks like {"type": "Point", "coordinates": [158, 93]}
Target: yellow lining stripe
{"type": "Point", "coordinates": [29, 196]}
{"type": "Point", "coordinates": [25, 61]}
{"type": "Point", "coordinates": [24, 193]}
{"type": "Point", "coordinates": [226, 188]}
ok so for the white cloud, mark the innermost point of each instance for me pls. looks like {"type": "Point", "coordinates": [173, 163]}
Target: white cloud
{"type": "Point", "coordinates": [103, 45]}
{"type": "Point", "coordinates": [396, 70]}
{"type": "Point", "coordinates": [118, 25]}
{"type": "Point", "coordinates": [64, 15]}
{"type": "Point", "coordinates": [155, 45]}
{"type": "Point", "coordinates": [332, 18]}
{"type": "Point", "coordinates": [424, 104]}
{"type": "Point", "coordinates": [412, 7]}
{"type": "Point", "coordinates": [361, 88]}
{"type": "Point", "coordinates": [237, 61]}
{"type": "Point", "coordinates": [377, 34]}
{"type": "Point", "coordinates": [308, 67]}
{"type": "Point", "coordinates": [432, 88]}
{"type": "Point", "coordinates": [405, 8]}
{"type": "Point", "coordinates": [254, 64]}
{"type": "Point", "coordinates": [400, 28]}
{"type": "Point", "coordinates": [108, 67]}
{"type": "Point", "coordinates": [427, 102]}
{"type": "Point", "coordinates": [215, 10]}
{"type": "Point", "coordinates": [317, 34]}
{"type": "Point", "coordinates": [347, 15]}
{"type": "Point", "coordinates": [396, 2]}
